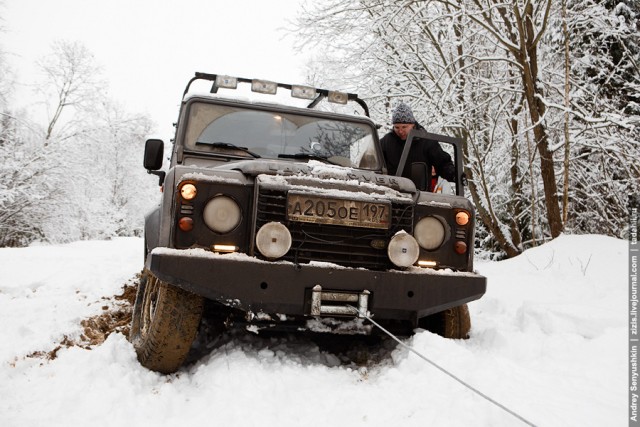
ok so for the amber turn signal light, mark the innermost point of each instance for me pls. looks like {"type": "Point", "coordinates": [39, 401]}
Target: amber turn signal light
{"type": "Point", "coordinates": [188, 191]}
{"type": "Point", "coordinates": [462, 218]}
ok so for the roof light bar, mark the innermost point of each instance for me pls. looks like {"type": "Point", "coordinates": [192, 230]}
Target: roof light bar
{"type": "Point", "coordinates": [264, 86]}
{"type": "Point", "coordinates": [270, 88]}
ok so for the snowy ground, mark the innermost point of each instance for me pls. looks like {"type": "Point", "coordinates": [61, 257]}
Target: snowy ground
{"type": "Point", "coordinates": [548, 341]}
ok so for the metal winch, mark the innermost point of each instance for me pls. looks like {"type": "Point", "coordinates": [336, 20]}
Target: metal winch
{"type": "Point", "coordinates": [331, 303]}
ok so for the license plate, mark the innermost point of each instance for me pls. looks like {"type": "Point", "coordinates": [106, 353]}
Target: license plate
{"type": "Point", "coordinates": [325, 210]}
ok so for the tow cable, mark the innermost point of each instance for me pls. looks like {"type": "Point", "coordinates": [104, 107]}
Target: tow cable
{"type": "Point", "coordinates": [473, 389]}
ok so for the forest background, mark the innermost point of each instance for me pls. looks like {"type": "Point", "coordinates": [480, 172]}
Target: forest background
{"type": "Point", "coordinates": [544, 94]}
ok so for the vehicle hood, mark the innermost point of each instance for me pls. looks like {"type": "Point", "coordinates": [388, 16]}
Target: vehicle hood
{"type": "Point", "coordinates": [316, 170]}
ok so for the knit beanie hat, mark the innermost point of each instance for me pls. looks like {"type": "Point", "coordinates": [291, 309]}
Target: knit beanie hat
{"type": "Point", "coordinates": [402, 114]}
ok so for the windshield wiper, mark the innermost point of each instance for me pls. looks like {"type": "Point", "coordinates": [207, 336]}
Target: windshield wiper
{"type": "Point", "coordinates": [307, 156]}
{"type": "Point", "coordinates": [229, 145]}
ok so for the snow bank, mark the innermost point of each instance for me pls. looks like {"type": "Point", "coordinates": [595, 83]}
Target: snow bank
{"type": "Point", "coordinates": [548, 341]}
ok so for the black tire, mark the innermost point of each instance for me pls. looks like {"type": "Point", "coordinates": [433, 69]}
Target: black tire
{"type": "Point", "coordinates": [164, 324]}
{"type": "Point", "coordinates": [451, 323]}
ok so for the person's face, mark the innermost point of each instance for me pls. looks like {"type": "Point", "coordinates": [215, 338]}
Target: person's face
{"type": "Point", "coordinates": [402, 129]}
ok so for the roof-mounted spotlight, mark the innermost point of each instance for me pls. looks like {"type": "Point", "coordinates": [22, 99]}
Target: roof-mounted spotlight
{"type": "Point", "coordinates": [264, 86]}
{"type": "Point", "coordinates": [225, 82]}
{"type": "Point", "coordinates": [303, 92]}
{"type": "Point", "coordinates": [338, 97]}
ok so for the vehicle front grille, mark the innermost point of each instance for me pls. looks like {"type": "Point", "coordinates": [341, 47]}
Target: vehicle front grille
{"type": "Point", "coordinates": [348, 246]}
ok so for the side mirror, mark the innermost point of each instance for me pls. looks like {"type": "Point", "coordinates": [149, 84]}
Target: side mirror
{"type": "Point", "coordinates": [419, 175]}
{"type": "Point", "coordinates": [153, 151]}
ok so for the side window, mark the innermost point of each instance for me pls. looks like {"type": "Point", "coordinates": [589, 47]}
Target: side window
{"type": "Point", "coordinates": [440, 184]}
{"type": "Point", "coordinates": [363, 153]}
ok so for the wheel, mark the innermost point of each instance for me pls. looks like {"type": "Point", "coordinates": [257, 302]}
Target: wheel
{"type": "Point", "coordinates": [451, 323]}
{"type": "Point", "coordinates": [164, 323]}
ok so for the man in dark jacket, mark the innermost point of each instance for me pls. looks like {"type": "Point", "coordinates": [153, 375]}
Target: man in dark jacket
{"type": "Point", "coordinates": [422, 151]}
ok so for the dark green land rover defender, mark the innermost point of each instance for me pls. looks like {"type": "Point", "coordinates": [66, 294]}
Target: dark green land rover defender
{"type": "Point", "coordinates": [282, 217]}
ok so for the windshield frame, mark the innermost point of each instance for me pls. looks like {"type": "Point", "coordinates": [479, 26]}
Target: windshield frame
{"type": "Point", "coordinates": [366, 145]}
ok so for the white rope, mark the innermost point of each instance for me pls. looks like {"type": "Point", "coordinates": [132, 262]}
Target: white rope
{"type": "Point", "coordinates": [478, 392]}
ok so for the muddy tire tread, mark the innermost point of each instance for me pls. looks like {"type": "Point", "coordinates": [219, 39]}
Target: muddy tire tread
{"type": "Point", "coordinates": [165, 344]}
{"type": "Point", "coordinates": [454, 323]}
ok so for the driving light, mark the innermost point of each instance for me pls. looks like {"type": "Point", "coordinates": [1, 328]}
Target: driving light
{"type": "Point", "coordinates": [227, 82]}
{"type": "Point", "coordinates": [403, 250]}
{"type": "Point", "coordinates": [224, 248]}
{"type": "Point", "coordinates": [462, 218]}
{"type": "Point", "coordinates": [273, 240]}
{"type": "Point", "coordinates": [263, 86]}
{"type": "Point", "coordinates": [424, 263]}
{"type": "Point", "coordinates": [188, 191]}
{"type": "Point", "coordinates": [337, 97]}
{"type": "Point", "coordinates": [221, 214]}
{"type": "Point", "coordinates": [303, 92]}
{"type": "Point", "coordinates": [429, 232]}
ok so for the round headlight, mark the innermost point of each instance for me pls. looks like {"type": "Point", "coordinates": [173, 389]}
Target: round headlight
{"type": "Point", "coordinates": [403, 250]}
{"type": "Point", "coordinates": [429, 233]}
{"type": "Point", "coordinates": [188, 191]}
{"type": "Point", "coordinates": [273, 240]}
{"type": "Point", "coordinates": [221, 214]}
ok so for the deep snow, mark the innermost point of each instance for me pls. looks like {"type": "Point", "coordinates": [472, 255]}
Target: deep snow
{"type": "Point", "coordinates": [548, 340]}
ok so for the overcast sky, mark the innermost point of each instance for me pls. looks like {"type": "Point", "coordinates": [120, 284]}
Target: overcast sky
{"type": "Point", "coordinates": [149, 49]}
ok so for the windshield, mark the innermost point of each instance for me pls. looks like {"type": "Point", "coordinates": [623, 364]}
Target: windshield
{"type": "Point", "coordinates": [244, 132]}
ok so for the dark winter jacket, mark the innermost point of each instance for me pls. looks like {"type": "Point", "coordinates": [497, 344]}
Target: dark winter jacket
{"type": "Point", "coordinates": [422, 151]}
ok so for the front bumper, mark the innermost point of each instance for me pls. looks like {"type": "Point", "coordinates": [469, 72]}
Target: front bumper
{"type": "Point", "coordinates": [285, 288]}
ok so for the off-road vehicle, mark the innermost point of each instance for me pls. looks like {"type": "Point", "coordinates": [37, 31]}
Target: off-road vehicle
{"type": "Point", "coordinates": [282, 217]}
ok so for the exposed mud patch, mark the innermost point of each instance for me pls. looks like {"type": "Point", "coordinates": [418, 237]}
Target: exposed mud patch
{"type": "Point", "coordinates": [216, 331]}
{"type": "Point", "coordinates": [50, 355]}
{"type": "Point", "coordinates": [115, 317]}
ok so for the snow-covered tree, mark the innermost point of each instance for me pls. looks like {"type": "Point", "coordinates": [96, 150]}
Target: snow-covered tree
{"type": "Point", "coordinates": [121, 190]}
{"type": "Point", "coordinates": [491, 73]}
{"type": "Point", "coordinates": [27, 181]}
{"type": "Point", "coordinates": [604, 107]}
{"type": "Point", "coordinates": [73, 81]}
{"type": "Point", "coordinates": [79, 175]}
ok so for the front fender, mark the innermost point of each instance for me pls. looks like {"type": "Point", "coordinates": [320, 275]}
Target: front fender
{"type": "Point", "coordinates": [151, 230]}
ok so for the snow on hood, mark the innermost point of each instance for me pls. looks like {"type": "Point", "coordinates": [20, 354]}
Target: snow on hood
{"type": "Point", "coordinates": [217, 179]}
{"type": "Point", "coordinates": [320, 171]}
{"type": "Point", "coordinates": [325, 181]}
